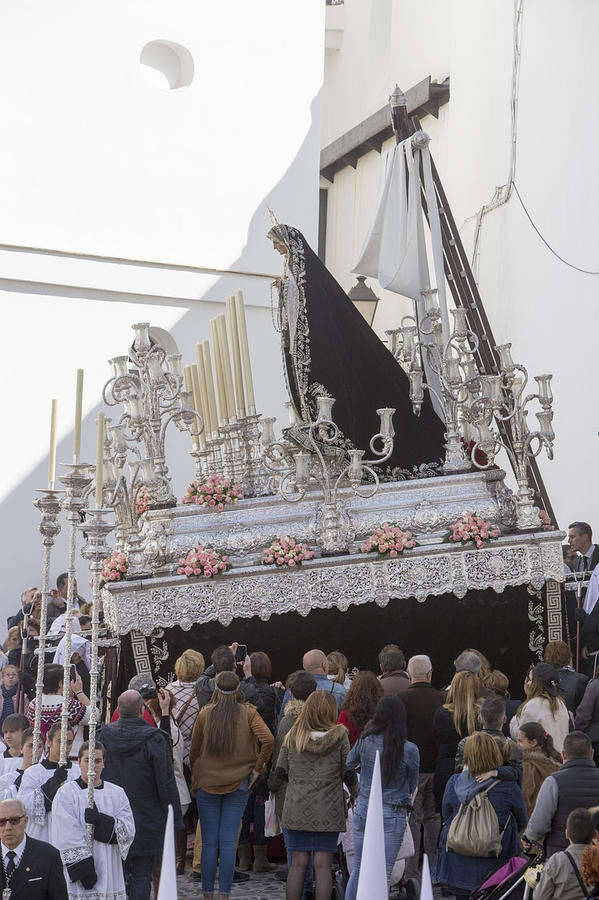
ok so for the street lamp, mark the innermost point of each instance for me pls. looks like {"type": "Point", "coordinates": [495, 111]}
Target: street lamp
{"type": "Point", "coordinates": [364, 299]}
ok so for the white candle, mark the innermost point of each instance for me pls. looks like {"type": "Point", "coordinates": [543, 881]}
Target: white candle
{"type": "Point", "coordinates": [100, 460]}
{"type": "Point", "coordinates": [78, 409]}
{"type": "Point", "coordinates": [203, 390]}
{"type": "Point", "coordinates": [52, 454]}
{"type": "Point", "coordinates": [197, 403]}
{"type": "Point", "coordinates": [226, 364]}
{"type": "Point", "coordinates": [209, 384]}
{"type": "Point", "coordinates": [245, 353]}
{"type": "Point", "coordinates": [218, 371]}
{"type": "Point", "coordinates": [236, 350]}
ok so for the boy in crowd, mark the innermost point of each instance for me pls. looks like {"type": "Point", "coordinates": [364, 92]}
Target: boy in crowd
{"type": "Point", "coordinates": [41, 782]}
{"type": "Point", "coordinates": [114, 830]}
{"type": "Point", "coordinates": [10, 782]}
{"type": "Point", "coordinates": [12, 733]}
{"type": "Point", "coordinates": [560, 878]}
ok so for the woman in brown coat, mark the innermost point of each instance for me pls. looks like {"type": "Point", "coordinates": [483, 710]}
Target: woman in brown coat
{"type": "Point", "coordinates": [539, 759]}
{"type": "Point", "coordinates": [313, 761]}
{"type": "Point", "coordinates": [224, 766]}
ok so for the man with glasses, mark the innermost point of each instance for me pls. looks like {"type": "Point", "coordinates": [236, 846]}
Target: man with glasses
{"type": "Point", "coordinates": [30, 869]}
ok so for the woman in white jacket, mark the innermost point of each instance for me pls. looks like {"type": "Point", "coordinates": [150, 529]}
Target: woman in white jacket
{"type": "Point", "coordinates": [543, 704]}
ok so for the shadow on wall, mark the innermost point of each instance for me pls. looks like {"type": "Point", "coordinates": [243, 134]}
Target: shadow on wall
{"type": "Point", "coordinates": [20, 549]}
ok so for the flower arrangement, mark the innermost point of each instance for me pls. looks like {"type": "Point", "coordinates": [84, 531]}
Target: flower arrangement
{"type": "Point", "coordinates": [215, 492]}
{"type": "Point", "coordinates": [204, 561]}
{"type": "Point", "coordinates": [142, 500]}
{"type": "Point", "coordinates": [472, 529]}
{"type": "Point", "coordinates": [388, 539]}
{"type": "Point", "coordinates": [285, 551]}
{"type": "Point", "coordinates": [114, 568]}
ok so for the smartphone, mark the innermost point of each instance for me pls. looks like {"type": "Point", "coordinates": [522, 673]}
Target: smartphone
{"type": "Point", "coordinates": [241, 653]}
{"type": "Point", "coordinates": [73, 673]}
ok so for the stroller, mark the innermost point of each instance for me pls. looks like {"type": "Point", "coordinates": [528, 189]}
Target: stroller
{"type": "Point", "coordinates": [508, 879]}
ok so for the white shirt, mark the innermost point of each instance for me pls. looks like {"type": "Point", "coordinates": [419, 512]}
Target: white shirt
{"type": "Point", "coordinates": [18, 851]}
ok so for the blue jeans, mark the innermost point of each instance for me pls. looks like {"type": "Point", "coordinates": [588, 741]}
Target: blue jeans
{"type": "Point", "coordinates": [220, 816]}
{"type": "Point", "coordinates": [394, 821]}
{"type": "Point", "coordinates": [139, 869]}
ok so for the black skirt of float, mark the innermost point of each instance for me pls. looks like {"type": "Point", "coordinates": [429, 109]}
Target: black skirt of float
{"type": "Point", "coordinates": [499, 625]}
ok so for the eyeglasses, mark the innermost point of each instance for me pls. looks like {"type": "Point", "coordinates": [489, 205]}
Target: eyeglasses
{"type": "Point", "coordinates": [12, 820]}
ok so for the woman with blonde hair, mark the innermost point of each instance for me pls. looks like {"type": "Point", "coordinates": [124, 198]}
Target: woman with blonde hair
{"type": "Point", "coordinates": [456, 719]}
{"type": "Point", "coordinates": [338, 668]}
{"type": "Point", "coordinates": [188, 668]}
{"type": "Point", "coordinates": [313, 762]}
{"type": "Point", "coordinates": [543, 704]}
{"type": "Point", "coordinates": [461, 874]}
{"type": "Point", "coordinates": [225, 765]}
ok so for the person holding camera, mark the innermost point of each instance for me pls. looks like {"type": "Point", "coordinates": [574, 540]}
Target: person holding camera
{"type": "Point", "coordinates": [225, 659]}
{"type": "Point", "coordinates": [139, 759]}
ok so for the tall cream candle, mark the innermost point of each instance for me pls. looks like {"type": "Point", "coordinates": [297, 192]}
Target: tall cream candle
{"type": "Point", "coordinates": [245, 352]}
{"type": "Point", "coordinates": [218, 371]}
{"type": "Point", "coordinates": [203, 389]}
{"type": "Point", "coordinates": [197, 403]}
{"type": "Point", "coordinates": [209, 384]}
{"type": "Point", "coordinates": [52, 453]}
{"type": "Point", "coordinates": [236, 352]}
{"type": "Point", "coordinates": [226, 363]}
{"type": "Point", "coordinates": [78, 411]}
{"type": "Point", "coordinates": [100, 460]}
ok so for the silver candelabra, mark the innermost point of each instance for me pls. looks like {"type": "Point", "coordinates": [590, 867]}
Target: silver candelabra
{"type": "Point", "coordinates": [321, 462]}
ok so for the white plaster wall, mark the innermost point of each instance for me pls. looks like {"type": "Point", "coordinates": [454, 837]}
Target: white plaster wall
{"type": "Point", "coordinates": [144, 205]}
{"type": "Point", "coordinates": [547, 309]}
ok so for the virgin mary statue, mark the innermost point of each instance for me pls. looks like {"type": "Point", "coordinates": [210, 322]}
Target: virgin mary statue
{"type": "Point", "coordinates": [330, 350]}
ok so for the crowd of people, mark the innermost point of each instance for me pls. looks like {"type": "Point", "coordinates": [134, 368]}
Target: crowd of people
{"type": "Point", "coordinates": [240, 757]}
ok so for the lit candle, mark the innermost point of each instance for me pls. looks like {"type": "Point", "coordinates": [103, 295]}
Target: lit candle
{"type": "Point", "coordinates": [100, 460]}
{"type": "Point", "coordinates": [205, 402]}
{"type": "Point", "coordinates": [220, 383]}
{"type": "Point", "coordinates": [226, 364]}
{"type": "Point", "coordinates": [197, 403]}
{"type": "Point", "coordinates": [245, 353]}
{"type": "Point", "coordinates": [78, 409]}
{"type": "Point", "coordinates": [237, 370]}
{"type": "Point", "coordinates": [209, 384]}
{"type": "Point", "coordinates": [52, 454]}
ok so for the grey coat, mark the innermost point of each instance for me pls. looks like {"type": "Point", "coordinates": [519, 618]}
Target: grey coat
{"type": "Point", "coordinates": [314, 800]}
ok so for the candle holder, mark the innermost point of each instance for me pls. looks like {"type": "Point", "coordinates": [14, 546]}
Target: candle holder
{"type": "Point", "coordinates": [321, 461]}
{"type": "Point", "coordinates": [95, 549]}
{"type": "Point", "coordinates": [49, 505]}
{"type": "Point", "coordinates": [77, 483]}
{"type": "Point", "coordinates": [502, 398]}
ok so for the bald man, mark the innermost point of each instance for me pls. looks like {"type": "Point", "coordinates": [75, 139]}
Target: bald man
{"type": "Point", "coordinates": [138, 759]}
{"type": "Point", "coordinates": [316, 664]}
{"type": "Point", "coordinates": [31, 870]}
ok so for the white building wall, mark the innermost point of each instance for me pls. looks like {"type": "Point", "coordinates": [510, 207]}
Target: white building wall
{"type": "Point", "coordinates": [122, 202]}
{"type": "Point", "coordinates": [546, 308]}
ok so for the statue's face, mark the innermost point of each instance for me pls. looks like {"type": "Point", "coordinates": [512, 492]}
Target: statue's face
{"type": "Point", "coordinates": [280, 248]}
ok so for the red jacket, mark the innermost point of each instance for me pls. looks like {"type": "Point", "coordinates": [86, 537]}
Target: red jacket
{"type": "Point", "coordinates": [147, 717]}
{"type": "Point", "coordinates": [353, 731]}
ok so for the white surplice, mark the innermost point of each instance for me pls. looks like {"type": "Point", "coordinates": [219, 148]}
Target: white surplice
{"type": "Point", "coordinates": [69, 835]}
{"type": "Point", "coordinates": [31, 795]}
{"type": "Point", "coordinates": [9, 784]}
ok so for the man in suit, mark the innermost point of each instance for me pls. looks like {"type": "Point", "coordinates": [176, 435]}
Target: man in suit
{"type": "Point", "coordinates": [580, 538]}
{"type": "Point", "coordinates": [31, 870]}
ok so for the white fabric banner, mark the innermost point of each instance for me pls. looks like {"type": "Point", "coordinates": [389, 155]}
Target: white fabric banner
{"type": "Point", "coordinates": [167, 888]}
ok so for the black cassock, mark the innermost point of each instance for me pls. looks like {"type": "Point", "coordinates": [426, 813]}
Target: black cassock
{"type": "Point", "coordinates": [329, 349]}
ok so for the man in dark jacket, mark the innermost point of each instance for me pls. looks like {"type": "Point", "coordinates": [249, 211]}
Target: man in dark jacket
{"type": "Point", "coordinates": [31, 870]}
{"type": "Point", "coordinates": [138, 758]}
{"type": "Point", "coordinates": [223, 660]}
{"type": "Point", "coordinates": [575, 784]}
{"type": "Point", "coordinates": [572, 685]}
{"type": "Point", "coordinates": [421, 701]}
{"type": "Point", "coordinates": [394, 678]}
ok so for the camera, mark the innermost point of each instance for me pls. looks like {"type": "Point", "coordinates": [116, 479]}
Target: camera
{"type": "Point", "coordinates": [148, 691]}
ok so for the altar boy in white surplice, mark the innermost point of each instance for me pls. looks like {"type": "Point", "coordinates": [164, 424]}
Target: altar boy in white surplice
{"type": "Point", "coordinates": [97, 872]}
{"type": "Point", "coordinates": [40, 783]}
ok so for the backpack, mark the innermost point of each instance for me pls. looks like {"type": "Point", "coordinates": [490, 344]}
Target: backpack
{"type": "Point", "coordinates": [474, 830]}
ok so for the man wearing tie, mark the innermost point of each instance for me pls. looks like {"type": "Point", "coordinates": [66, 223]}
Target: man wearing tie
{"type": "Point", "coordinates": [30, 870]}
{"type": "Point", "coordinates": [580, 538]}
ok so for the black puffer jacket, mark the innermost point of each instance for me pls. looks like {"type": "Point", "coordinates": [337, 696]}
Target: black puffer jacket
{"type": "Point", "coordinates": [138, 759]}
{"type": "Point", "coordinates": [268, 700]}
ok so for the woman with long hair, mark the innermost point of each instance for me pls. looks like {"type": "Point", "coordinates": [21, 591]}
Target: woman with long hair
{"type": "Point", "coordinates": [458, 873]}
{"type": "Point", "coordinates": [456, 719]}
{"type": "Point", "coordinates": [188, 668]}
{"type": "Point", "coordinates": [359, 704]}
{"type": "Point", "coordinates": [543, 704]}
{"type": "Point", "coordinates": [399, 760]}
{"type": "Point", "coordinates": [313, 761]}
{"type": "Point", "coordinates": [338, 668]}
{"type": "Point", "coordinates": [539, 759]}
{"type": "Point", "coordinates": [225, 765]}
